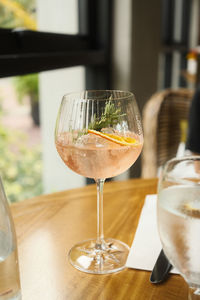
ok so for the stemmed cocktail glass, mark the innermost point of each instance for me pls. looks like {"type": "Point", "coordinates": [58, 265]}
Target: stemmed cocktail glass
{"type": "Point", "coordinates": [179, 218]}
{"type": "Point", "coordinates": [99, 135]}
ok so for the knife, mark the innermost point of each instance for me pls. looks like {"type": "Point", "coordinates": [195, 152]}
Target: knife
{"type": "Point", "coordinates": [161, 269]}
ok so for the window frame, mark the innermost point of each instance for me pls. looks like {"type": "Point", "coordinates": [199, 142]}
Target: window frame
{"type": "Point", "coordinates": [25, 51]}
{"type": "Point", "coordinates": [169, 45]}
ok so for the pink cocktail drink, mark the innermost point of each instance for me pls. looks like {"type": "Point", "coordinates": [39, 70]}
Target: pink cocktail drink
{"type": "Point", "coordinates": [96, 157]}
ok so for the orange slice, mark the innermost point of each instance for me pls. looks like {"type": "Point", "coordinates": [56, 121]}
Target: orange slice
{"type": "Point", "coordinates": [192, 209]}
{"type": "Point", "coordinates": [121, 140]}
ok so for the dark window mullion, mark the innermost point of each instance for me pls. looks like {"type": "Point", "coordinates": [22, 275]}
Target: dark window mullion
{"type": "Point", "coordinates": [168, 8]}
{"type": "Point", "coordinates": [96, 21]}
{"type": "Point", "coordinates": [27, 41]}
{"type": "Point", "coordinates": [168, 70]}
{"type": "Point", "coordinates": [186, 22]}
{"type": "Point", "coordinates": [13, 65]}
{"type": "Point", "coordinates": [24, 51]}
{"type": "Point", "coordinates": [183, 66]}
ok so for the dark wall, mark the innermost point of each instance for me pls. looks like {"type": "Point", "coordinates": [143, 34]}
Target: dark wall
{"type": "Point", "coordinates": [146, 43]}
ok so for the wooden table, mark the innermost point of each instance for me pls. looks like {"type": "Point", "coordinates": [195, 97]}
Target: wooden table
{"type": "Point", "coordinates": [47, 227]}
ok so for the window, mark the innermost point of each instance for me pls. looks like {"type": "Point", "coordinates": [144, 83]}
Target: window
{"type": "Point", "coordinates": [26, 51]}
{"type": "Point", "coordinates": [179, 34]}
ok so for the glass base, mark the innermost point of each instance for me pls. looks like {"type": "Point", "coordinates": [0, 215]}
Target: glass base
{"type": "Point", "coordinates": [106, 257]}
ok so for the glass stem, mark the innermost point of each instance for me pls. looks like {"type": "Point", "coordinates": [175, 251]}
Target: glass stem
{"type": "Point", "coordinates": [100, 235]}
{"type": "Point", "coordinates": [194, 294]}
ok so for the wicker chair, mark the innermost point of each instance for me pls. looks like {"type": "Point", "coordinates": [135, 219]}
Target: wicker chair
{"type": "Point", "coordinates": [162, 116]}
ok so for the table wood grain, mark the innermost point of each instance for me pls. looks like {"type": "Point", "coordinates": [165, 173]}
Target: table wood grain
{"type": "Point", "coordinates": [49, 225]}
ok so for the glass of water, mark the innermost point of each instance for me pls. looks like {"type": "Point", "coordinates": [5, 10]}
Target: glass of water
{"type": "Point", "coordinates": [179, 218]}
{"type": "Point", "coordinates": [9, 269]}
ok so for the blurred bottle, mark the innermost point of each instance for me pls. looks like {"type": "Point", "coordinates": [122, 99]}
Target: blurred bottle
{"type": "Point", "coordinates": [192, 62]}
{"type": "Point", "coordinates": [9, 269]}
{"type": "Point", "coordinates": [183, 128]}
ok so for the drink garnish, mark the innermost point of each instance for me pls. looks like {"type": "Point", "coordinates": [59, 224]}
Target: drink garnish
{"type": "Point", "coordinates": [121, 140]}
{"type": "Point", "coordinates": [192, 209]}
{"type": "Point", "coordinates": [111, 116]}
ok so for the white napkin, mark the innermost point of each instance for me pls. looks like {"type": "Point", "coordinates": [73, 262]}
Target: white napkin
{"type": "Point", "coordinates": [146, 245]}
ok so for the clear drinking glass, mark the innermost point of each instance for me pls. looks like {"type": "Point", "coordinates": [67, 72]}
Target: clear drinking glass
{"type": "Point", "coordinates": [99, 135]}
{"type": "Point", "coordinates": [9, 269]}
{"type": "Point", "coordinates": [179, 218]}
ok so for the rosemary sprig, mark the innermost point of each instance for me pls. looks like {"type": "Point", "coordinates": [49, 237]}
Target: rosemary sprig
{"type": "Point", "coordinates": [111, 116]}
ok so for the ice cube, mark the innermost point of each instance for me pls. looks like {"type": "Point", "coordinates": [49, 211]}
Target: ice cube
{"type": "Point", "coordinates": [91, 140]}
{"type": "Point", "coordinates": [108, 130]}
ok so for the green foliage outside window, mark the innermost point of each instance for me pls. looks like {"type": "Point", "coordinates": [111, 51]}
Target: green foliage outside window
{"type": "Point", "coordinates": [17, 13]}
{"type": "Point", "coordinates": [20, 167]}
{"type": "Point", "coordinates": [27, 85]}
